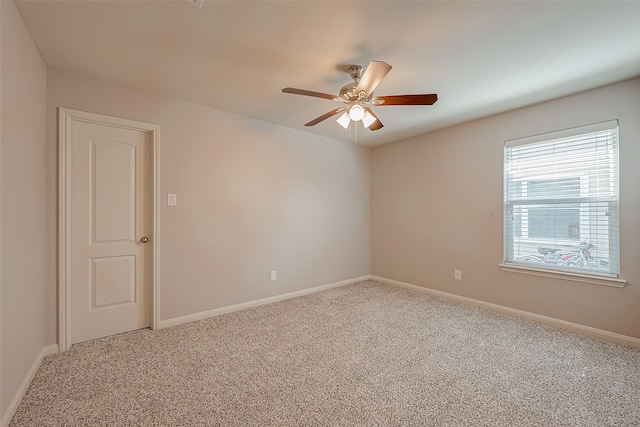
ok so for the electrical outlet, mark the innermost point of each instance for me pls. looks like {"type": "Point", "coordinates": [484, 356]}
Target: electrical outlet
{"type": "Point", "coordinates": [274, 275]}
{"type": "Point", "coordinates": [457, 274]}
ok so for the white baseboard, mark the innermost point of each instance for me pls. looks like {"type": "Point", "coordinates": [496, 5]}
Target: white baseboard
{"type": "Point", "coordinates": [17, 398]}
{"type": "Point", "coordinates": [229, 309]}
{"type": "Point", "coordinates": [575, 327]}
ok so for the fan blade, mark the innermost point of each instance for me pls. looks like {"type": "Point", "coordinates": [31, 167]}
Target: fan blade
{"type": "Point", "coordinates": [422, 99]}
{"type": "Point", "coordinates": [377, 124]}
{"type": "Point", "coordinates": [295, 91]}
{"type": "Point", "coordinates": [325, 116]}
{"type": "Point", "coordinates": [372, 76]}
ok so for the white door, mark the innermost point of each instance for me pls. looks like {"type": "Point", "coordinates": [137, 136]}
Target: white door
{"type": "Point", "coordinates": [111, 214]}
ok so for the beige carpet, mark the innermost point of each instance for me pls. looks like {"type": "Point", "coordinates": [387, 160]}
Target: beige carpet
{"type": "Point", "coordinates": [367, 354]}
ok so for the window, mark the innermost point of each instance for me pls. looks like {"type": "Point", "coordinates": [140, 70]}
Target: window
{"type": "Point", "coordinates": [561, 200]}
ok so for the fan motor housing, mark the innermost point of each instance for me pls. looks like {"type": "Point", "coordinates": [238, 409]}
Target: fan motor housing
{"type": "Point", "coordinates": [348, 91]}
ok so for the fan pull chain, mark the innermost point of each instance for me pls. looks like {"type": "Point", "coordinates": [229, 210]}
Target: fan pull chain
{"type": "Point", "coordinates": [355, 124]}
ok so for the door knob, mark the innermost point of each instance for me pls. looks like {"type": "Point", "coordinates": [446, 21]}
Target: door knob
{"type": "Point", "coordinates": [144, 240]}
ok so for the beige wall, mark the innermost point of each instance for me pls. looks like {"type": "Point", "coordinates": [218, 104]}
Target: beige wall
{"type": "Point", "coordinates": [252, 197]}
{"type": "Point", "coordinates": [437, 206]}
{"type": "Point", "coordinates": [22, 145]}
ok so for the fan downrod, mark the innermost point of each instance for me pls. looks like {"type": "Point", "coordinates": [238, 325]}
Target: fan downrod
{"type": "Point", "coordinates": [355, 71]}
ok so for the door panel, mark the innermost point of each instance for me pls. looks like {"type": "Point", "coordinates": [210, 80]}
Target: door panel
{"type": "Point", "coordinates": [113, 281]}
{"type": "Point", "coordinates": [113, 195]}
{"type": "Point", "coordinates": [111, 210]}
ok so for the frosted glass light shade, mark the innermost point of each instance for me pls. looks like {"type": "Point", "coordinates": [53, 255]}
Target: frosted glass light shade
{"type": "Point", "coordinates": [368, 119]}
{"type": "Point", "coordinates": [344, 120]}
{"type": "Point", "coordinates": [356, 113]}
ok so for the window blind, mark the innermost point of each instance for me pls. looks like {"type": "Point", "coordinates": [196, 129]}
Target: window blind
{"type": "Point", "coordinates": [561, 200]}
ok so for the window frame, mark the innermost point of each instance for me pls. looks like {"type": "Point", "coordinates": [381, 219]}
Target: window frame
{"type": "Point", "coordinates": [510, 237]}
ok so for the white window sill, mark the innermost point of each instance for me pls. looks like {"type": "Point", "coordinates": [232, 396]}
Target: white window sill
{"type": "Point", "coordinates": [566, 275]}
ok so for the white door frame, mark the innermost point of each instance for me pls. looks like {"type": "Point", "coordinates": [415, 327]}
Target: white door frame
{"type": "Point", "coordinates": [65, 119]}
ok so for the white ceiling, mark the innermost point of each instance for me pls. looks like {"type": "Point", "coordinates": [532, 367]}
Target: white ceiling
{"type": "Point", "coordinates": [480, 57]}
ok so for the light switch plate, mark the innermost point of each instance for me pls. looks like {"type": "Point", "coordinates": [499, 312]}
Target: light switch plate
{"type": "Point", "coordinates": [172, 199]}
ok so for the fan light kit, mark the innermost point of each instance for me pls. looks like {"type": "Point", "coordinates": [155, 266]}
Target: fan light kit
{"type": "Point", "coordinates": [358, 97]}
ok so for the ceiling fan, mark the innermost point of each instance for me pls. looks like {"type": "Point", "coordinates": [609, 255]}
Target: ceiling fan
{"type": "Point", "coordinates": [358, 97]}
